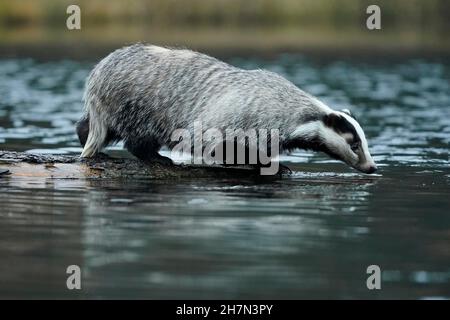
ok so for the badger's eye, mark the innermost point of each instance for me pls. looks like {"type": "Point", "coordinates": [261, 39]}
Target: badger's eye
{"type": "Point", "coordinates": [355, 146]}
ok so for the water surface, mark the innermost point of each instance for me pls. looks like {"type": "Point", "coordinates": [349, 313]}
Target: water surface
{"type": "Point", "coordinates": [311, 235]}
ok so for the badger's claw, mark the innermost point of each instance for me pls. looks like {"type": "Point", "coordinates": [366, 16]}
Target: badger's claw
{"type": "Point", "coordinates": [284, 170]}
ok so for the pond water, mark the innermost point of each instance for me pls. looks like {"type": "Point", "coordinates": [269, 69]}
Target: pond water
{"type": "Point", "coordinates": [311, 235]}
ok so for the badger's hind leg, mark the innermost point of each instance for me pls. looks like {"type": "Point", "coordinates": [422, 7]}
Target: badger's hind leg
{"type": "Point", "coordinates": [97, 135]}
{"type": "Point", "coordinates": [146, 150]}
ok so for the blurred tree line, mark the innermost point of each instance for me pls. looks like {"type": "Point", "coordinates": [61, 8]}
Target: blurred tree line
{"type": "Point", "coordinates": [429, 15]}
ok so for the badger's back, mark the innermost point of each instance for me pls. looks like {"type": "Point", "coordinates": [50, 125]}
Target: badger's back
{"type": "Point", "coordinates": [150, 85]}
{"type": "Point", "coordinates": [142, 92]}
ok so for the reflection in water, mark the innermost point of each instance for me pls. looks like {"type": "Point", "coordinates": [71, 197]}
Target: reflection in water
{"type": "Point", "coordinates": [311, 235]}
{"type": "Point", "coordinates": [163, 239]}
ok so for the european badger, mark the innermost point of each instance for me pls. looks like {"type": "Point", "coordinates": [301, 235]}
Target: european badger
{"type": "Point", "coordinates": [142, 93]}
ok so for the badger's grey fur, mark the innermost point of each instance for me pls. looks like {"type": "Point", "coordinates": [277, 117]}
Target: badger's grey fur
{"type": "Point", "coordinates": [142, 93]}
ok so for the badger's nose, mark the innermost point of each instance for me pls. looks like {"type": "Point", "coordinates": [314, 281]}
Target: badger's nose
{"type": "Point", "coordinates": [372, 169]}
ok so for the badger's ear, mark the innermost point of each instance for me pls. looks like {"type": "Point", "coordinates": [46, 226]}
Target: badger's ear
{"type": "Point", "coordinates": [331, 120]}
{"type": "Point", "coordinates": [348, 112]}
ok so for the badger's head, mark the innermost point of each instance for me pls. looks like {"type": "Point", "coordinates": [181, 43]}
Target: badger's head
{"type": "Point", "coordinates": [340, 136]}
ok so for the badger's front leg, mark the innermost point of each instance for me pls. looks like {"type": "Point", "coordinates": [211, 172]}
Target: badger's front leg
{"type": "Point", "coordinates": [147, 150]}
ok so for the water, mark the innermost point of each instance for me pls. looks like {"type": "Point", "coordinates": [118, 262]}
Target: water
{"type": "Point", "coordinates": [311, 235]}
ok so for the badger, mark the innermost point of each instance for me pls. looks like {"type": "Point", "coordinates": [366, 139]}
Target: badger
{"type": "Point", "coordinates": [141, 93]}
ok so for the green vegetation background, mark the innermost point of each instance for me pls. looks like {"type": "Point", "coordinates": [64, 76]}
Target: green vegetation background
{"type": "Point", "coordinates": [229, 23]}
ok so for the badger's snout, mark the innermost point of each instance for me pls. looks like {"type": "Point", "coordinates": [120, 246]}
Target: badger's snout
{"type": "Point", "coordinates": [371, 169]}
{"type": "Point", "coordinates": [367, 168]}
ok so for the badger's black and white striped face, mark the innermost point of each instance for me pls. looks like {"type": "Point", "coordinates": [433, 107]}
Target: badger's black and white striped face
{"type": "Point", "coordinates": [343, 139]}
{"type": "Point", "coordinates": [337, 134]}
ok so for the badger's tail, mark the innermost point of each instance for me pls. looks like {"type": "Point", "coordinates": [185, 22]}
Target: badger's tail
{"type": "Point", "coordinates": [92, 130]}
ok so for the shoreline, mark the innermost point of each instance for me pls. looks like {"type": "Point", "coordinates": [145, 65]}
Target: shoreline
{"type": "Point", "coordinates": [94, 43]}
